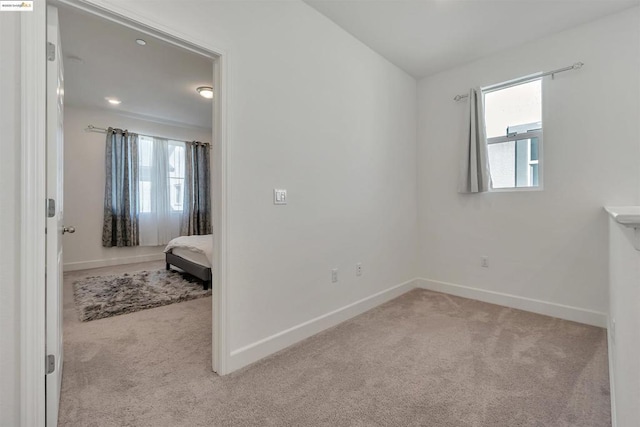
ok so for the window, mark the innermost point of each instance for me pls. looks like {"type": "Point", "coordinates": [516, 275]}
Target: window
{"type": "Point", "coordinates": [145, 165]}
{"type": "Point", "coordinates": [513, 120]}
{"type": "Point", "coordinates": [176, 174]}
{"type": "Point", "coordinates": [161, 173]}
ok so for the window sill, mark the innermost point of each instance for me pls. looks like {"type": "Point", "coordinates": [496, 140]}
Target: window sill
{"type": "Point", "coordinates": [515, 189]}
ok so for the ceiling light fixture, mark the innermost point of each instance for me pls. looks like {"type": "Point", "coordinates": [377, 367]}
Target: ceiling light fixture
{"type": "Point", "coordinates": [141, 42]}
{"type": "Point", "coordinates": [205, 91]}
{"type": "Point", "coordinates": [113, 101]}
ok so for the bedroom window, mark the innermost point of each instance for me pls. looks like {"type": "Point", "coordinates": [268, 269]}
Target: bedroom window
{"type": "Point", "coordinates": [513, 120]}
{"type": "Point", "coordinates": [161, 174]}
{"type": "Point", "coordinates": [176, 175]}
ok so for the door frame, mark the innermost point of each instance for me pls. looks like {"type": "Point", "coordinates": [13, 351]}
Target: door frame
{"type": "Point", "coordinates": [55, 221]}
{"type": "Point", "coordinates": [33, 190]}
{"type": "Point", "coordinates": [33, 74]}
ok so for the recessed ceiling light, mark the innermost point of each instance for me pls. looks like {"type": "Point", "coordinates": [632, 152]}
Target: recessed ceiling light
{"type": "Point", "coordinates": [113, 101]}
{"type": "Point", "coordinates": [205, 91]}
{"type": "Point", "coordinates": [141, 42]}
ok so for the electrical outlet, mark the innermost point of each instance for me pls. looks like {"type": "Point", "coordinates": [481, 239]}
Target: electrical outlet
{"type": "Point", "coordinates": [334, 275]}
{"type": "Point", "coordinates": [359, 269]}
{"type": "Point", "coordinates": [484, 261]}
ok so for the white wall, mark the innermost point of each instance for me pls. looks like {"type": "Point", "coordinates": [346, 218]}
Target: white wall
{"type": "Point", "coordinates": [624, 340]}
{"type": "Point", "coordinates": [548, 245]}
{"type": "Point", "coordinates": [9, 217]}
{"type": "Point", "coordinates": [84, 184]}
{"type": "Point", "coordinates": [316, 112]}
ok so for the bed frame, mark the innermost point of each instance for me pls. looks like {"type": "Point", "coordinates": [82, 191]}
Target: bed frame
{"type": "Point", "coordinates": [200, 271]}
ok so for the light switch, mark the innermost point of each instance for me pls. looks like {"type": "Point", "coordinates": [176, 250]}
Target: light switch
{"type": "Point", "coordinates": [279, 196]}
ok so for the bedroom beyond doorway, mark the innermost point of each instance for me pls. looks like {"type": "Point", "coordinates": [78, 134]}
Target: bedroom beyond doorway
{"type": "Point", "coordinates": [138, 163]}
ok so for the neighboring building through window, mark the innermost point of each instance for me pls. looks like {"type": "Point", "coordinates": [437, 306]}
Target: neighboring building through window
{"type": "Point", "coordinates": [513, 121]}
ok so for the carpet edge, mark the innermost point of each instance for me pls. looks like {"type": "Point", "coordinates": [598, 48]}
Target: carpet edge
{"type": "Point", "coordinates": [547, 308]}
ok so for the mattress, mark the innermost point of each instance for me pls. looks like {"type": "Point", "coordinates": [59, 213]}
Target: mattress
{"type": "Point", "coordinates": [195, 257]}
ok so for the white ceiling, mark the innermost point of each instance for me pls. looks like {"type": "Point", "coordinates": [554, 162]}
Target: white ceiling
{"type": "Point", "coordinates": [157, 81]}
{"type": "Point", "coordinates": [424, 37]}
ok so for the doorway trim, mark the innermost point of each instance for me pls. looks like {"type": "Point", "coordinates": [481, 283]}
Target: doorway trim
{"type": "Point", "coordinates": [33, 73]}
{"type": "Point", "coordinates": [33, 191]}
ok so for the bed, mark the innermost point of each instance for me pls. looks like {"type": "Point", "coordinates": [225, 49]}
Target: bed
{"type": "Point", "coordinates": [193, 255]}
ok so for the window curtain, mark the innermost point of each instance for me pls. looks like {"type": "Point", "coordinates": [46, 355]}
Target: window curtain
{"type": "Point", "coordinates": [474, 172]}
{"type": "Point", "coordinates": [159, 222]}
{"type": "Point", "coordinates": [196, 218]}
{"type": "Point", "coordinates": [120, 225]}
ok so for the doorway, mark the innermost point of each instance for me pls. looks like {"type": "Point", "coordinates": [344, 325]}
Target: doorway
{"type": "Point", "coordinates": [218, 196]}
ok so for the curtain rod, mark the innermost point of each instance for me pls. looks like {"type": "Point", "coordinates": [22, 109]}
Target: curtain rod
{"type": "Point", "coordinates": [575, 66]}
{"type": "Point", "coordinates": [92, 128]}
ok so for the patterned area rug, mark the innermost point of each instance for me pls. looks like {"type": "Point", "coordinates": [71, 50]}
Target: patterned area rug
{"type": "Point", "coordinates": [97, 297]}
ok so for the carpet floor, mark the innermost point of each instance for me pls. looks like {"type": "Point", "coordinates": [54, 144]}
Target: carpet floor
{"type": "Point", "coordinates": [423, 359]}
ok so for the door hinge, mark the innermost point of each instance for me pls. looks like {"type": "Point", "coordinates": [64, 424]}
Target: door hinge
{"type": "Point", "coordinates": [51, 208]}
{"type": "Point", "coordinates": [50, 363]}
{"type": "Point", "coordinates": [51, 51]}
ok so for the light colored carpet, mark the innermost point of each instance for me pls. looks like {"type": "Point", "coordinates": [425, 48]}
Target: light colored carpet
{"type": "Point", "coordinates": [424, 359]}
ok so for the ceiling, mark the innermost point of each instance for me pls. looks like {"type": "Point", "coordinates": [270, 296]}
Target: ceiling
{"type": "Point", "coordinates": [424, 37]}
{"type": "Point", "coordinates": [157, 81]}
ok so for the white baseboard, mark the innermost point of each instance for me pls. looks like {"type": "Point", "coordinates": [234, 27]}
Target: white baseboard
{"type": "Point", "coordinates": [264, 347]}
{"type": "Point", "coordinates": [253, 352]}
{"type": "Point", "coordinates": [561, 311]}
{"type": "Point", "coordinates": [612, 387]}
{"type": "Point", "coordinates": [84, 265]}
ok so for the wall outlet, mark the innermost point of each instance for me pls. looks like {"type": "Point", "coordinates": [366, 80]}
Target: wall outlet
{"type": "Point", "coordinates": [484, 261]}
{"type": "Point", "coordinates": [359, 269]}
{"type": "Point", "coordinates": [334, 275]}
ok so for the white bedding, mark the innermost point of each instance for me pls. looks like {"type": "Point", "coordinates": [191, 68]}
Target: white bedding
{"type": "Point", "coordinates": [201, 245]}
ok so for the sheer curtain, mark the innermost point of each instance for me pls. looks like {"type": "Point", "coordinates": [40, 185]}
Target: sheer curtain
{"type": "Point", "coordinates": [474, 171]}
{"type": "Point", "coordinates": [120, 224]}
{"type": "Point", "coordinates": [161, 192]}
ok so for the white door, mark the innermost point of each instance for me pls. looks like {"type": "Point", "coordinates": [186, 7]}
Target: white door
{"type": "Point", "coordinates": [55, 226]}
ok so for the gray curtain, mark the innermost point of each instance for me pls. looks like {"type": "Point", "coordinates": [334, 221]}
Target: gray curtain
{"type": "Point", "coordinates": [196, 217]}
{"type": "Point", "coordinates": [474, 172]}
{"type": "Point", "coordinates": [120, 226]}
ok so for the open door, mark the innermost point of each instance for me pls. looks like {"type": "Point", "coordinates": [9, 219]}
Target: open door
{"type": "Point", "coordinates": [55, 227]}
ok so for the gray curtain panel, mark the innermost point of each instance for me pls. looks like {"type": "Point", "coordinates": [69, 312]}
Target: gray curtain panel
{"type": "Point", "coordinates": [196, 216]}
{"type": "Point", "coordinates": [475, 176]}
{"type": "Point", "coordinates": [120, 226]}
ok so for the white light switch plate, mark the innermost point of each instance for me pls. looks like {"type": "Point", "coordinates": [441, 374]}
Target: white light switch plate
{"type": "Point", "coordinates": [279, 196]}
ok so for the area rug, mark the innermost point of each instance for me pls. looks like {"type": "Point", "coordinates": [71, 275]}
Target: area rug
{"type": "Point", "coordinates": [97, 297]}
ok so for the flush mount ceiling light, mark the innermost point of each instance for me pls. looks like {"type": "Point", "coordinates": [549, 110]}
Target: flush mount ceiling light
{"type": "Point", "coordinates": [141, 42]}
{"type": "Point", "coordinates": [113, 101]}
{"type": "Point", "coordinates": [205, 91]}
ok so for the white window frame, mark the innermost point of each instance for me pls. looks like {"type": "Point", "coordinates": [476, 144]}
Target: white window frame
{"type": "Point", "coordinates": [178, 144]}
{"type": "Point", "coordinates": [535, 133]}
{"type": "Point", "coordinates": [518, 136]}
